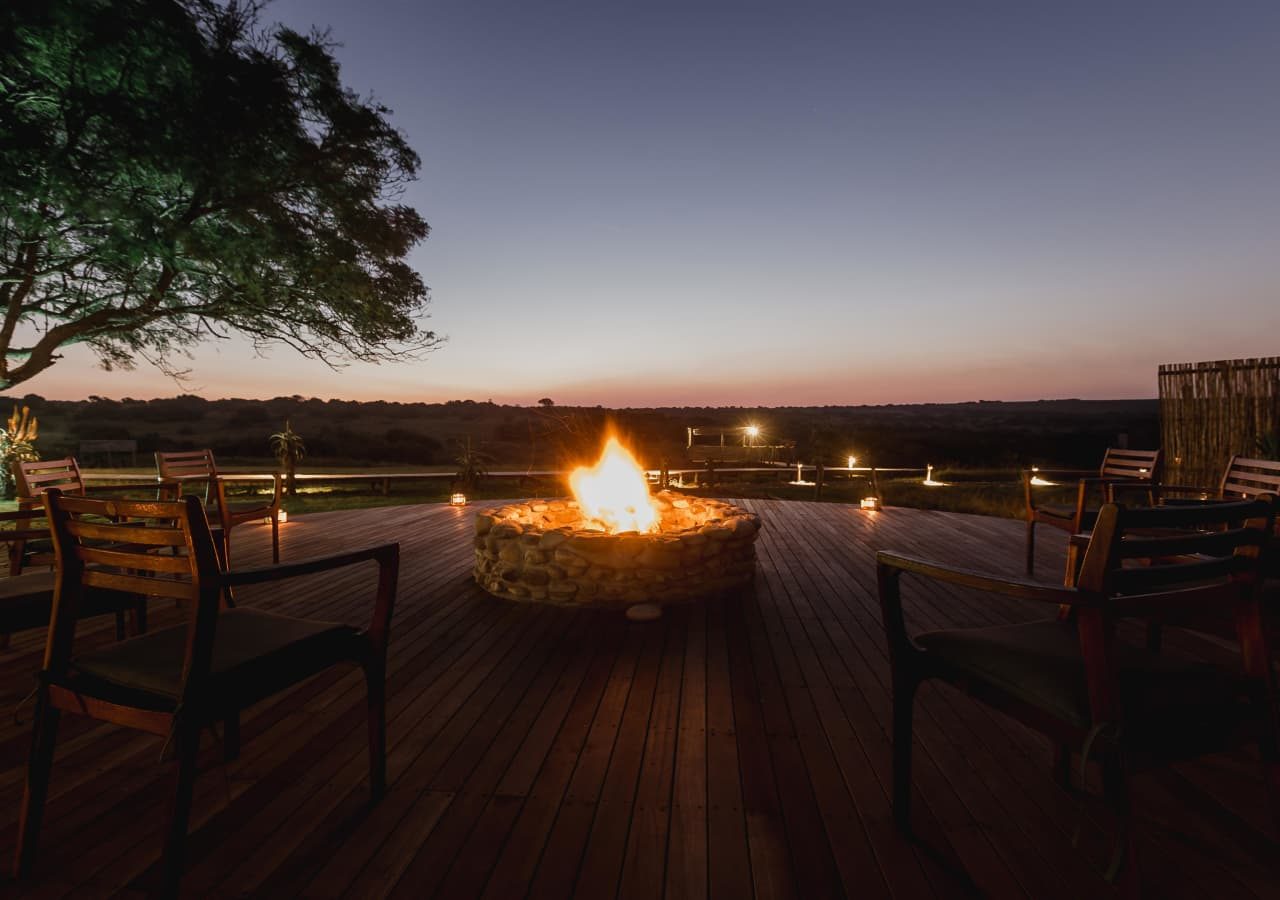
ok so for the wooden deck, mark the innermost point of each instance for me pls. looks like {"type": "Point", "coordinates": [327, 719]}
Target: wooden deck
{"type": "Point", "coordinates": [734, 750]}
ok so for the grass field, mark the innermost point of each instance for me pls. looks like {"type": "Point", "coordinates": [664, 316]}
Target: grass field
{"type": "Point", "coordinates": [992, 492]}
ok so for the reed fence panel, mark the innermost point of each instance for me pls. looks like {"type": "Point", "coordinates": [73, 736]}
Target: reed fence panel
{"type": "Point", "coordinates": [1210, 411]}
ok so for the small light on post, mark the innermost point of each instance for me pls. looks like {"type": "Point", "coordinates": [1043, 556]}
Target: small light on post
{"type": "Point", "coordinates": [1037, 480]}
{"type": "Point", "coordinates": [870, 503]}
{"type": "Point", "coordinates": [283, 517]}
{"type": "Point", "coordinates": [853, 461]}
{"type": "Point", "coordinates": [458, 499]}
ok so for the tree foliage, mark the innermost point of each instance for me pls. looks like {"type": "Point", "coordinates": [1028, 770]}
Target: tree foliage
{"type": "Point", "coordinates": [172, 170]}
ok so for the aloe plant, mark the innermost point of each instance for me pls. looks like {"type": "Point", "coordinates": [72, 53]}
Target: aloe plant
{"type": "Point", "coordinates": [17, 444]}
{"type": "Point", "coordinates": [289, 449]}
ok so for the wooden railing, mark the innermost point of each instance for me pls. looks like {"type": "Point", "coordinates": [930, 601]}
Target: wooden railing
{"type": "Point", "coordinates": [682, 476]}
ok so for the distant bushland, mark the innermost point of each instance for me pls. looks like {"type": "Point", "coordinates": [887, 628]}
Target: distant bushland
{"type": "Point", "coordinates": [352, 433]}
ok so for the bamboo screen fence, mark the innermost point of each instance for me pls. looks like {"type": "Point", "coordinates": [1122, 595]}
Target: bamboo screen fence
{"type": "Point", "coordinates": [1210, 411]}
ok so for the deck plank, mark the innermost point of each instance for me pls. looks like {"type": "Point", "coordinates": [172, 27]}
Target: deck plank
{"type": "Point", "coordinates": [734, 749]}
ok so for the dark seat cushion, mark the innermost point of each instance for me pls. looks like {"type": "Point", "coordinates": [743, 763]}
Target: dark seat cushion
{"type": "Point", "coordinates": [1066, 512]}
{"type": "Point", "coordinates": [253, 651]}
{"type": "Point", "coordinates": [1039, 663]}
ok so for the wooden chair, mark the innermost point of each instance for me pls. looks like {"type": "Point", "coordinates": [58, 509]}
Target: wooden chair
{"type": "Point", "coordinates": [26, 597]}
{"type": "Point", "coordinates": [33, 478]}
{"type": "Point", "coordinates": [1086, 686]}
{"type": "Point", "coordinates": [1122, 470]}
{"type": "Point", "coordinates": [183, 468]}
{"type": "Point", "coordinates": [177, 681]}
{"type": "Point", "coordinates": [1243, 478]}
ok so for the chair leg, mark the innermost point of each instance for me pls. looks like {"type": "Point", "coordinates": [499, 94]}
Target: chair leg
{"type": "Point", "coordinates": [138, 615]}
{"type": "Point", "coordinates": [375, 680]}
{"type": "Point", "coordinates": [1124, 861]}
{"type": "Point", "coordinates": [904, 695]}
{"type": "Point", "coordinates": [43, 738]}
{"type": "Point", "coordinates": [171, 864]}
{"type": "Point", "coordinates": [1072, 575]}
{"type": "Point", "coordinates": [231, 737]}
{"type": "Point", "coordinates": [1031, 547]}
{"type": "Point", "coordinates": [275, 539]}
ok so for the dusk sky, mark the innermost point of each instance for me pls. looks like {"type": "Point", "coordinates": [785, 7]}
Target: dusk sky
{"type": "Point", "coordinates": [791, 204]}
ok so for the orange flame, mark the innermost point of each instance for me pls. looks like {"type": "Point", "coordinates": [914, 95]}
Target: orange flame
{"type": "Point", "coordinates": [614, 491]}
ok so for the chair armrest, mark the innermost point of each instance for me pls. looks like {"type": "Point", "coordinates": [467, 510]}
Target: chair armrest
{"type": "Point", "coordinates": [889, 568]}
{"type": "Point", "coordinates": [229, 516]}
{"type": "Point", "coordinates": [1019, 588]}
{"type": "Point", "coordinates": [383, 554]}
{"type": "Point", "coordinates": [387, 556]}
{"type": "Point", "coordinates": [1120, 486]}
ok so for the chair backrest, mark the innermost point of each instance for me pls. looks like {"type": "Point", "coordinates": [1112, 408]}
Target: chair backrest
{"type": "Point", "coordinates": [189, 467]}
{"type": "Point", "coordinates": [1246, 477]}
{"type": "Point", "coordinates": [1176, 565]}
{"type": "Point", "coordinates": [110, 545]}
{"type": "Point", "coordinates": [178, 465]}
{"type": "Point", "coordinates": [1142, 465]}
{"type": "Point", "coordinates": [36, 477]}
{"type": "Point", "coordinates": [1184, 549]}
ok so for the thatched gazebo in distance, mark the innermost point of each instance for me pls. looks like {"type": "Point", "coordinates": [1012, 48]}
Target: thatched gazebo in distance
{"type": "Point", "coordinates": [1211, 411]}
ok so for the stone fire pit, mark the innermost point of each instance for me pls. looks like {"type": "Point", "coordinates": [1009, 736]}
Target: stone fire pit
{"type": "Point", "coordinates": [539, 551]}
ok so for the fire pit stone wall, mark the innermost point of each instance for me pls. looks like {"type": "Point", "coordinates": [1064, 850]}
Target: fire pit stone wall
{"type": "Point", "coordinates": [538, 551]}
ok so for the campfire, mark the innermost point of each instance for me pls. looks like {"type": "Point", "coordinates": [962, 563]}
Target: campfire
{"type": "Point", "coordinates": [614, 544]}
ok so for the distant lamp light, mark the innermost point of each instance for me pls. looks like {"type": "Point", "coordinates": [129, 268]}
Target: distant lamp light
{"type": "Point", "coordinates": [284, 517]}
{"type": "Point", "coordinates": [870, 503]}
{"type": "Point", "coordinates": [1037, 480]}
{"type": "Point", "coordinates": [928, 478]}
{"type": "Point", "coordinates": [753, 431]}
{"type": "Point", "coordinates": [458, 499]}
{"type": "Point", "coordinates": [853, 461]}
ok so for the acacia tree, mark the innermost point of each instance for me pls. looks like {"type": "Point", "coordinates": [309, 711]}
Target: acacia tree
{"type": "Point", "coordinates": [172, 170]}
